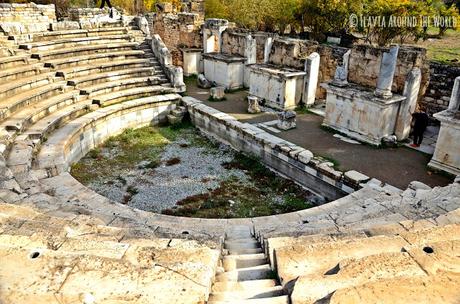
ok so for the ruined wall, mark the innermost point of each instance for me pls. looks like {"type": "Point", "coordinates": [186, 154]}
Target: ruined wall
{"type": "Point", "coordinates": [193, 6]}
{"type": "Point", "coordinates": [182, 30]}
{"type": "Point", "coordinates": [25, 18]}
{"type": "Point", "coordinates": [437, 95]}
{"type": "Point", "coordinates": [27, 13]}
{"type": "Point", "coordinates": [234, 40]}
{"type": "Point", "coordinates": [293, 52]}
{"type": "Point", "coordinates": [365, 66]}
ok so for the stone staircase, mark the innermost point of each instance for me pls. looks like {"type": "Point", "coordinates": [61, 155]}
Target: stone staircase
{"type": "Point", "coordinates": [246, 276]}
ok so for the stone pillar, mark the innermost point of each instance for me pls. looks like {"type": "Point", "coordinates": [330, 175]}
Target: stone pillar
{"type": "Point", "coordinates": [341, 72]}
{"type": "Point", "coordinates": [250, 53]}
{"type": "Point", "coordinates": [454, 104]}
{"type": "Point", "coordinates": [212, 34]}
{"type": "Point", "coordinates": [387, 72]}
{"type": "Point", "coordinates": [268, 48]}
{"type": "Point", "coordinates": [311, 79]}
{"type": "Point", "coordinates": [250, 50]}
{"type": "Point", "coordinates": [411, 91]}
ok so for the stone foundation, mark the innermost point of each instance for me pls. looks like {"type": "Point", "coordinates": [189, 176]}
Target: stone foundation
{"type": "Point", "coordinates": [280, 88]}
{"type": "Point", "coordinates": [224, 70]}
{"type": "Point", "coordinates": [359, 114]}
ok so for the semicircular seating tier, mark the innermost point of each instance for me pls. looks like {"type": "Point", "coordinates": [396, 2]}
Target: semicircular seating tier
{"type": "Point", "coordinates": [376, 245]}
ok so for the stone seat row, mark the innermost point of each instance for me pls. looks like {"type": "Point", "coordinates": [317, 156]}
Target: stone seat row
{"type": "Point", "coordinates": [25, 35]}
{"type": "Point", "coordinates": [47, 259]}
{"type": "Point", "coordinates": [93, 84]}
{"type": "Point", "coordinates": [343, 267]}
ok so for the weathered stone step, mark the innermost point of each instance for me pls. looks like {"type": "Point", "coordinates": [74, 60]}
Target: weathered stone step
{"type": "Point", "coordinates": [17, 86]}
{"type": "Point", "coordinates": [14, 61]}
{"type": "Point", "coordinates": [43, 127]}
{"type": "Point", "coordinates": [96, 78]}
{"type": "Point", "coordinates": [245, 251]}
{"type": "Point", "coordinates": [118, 85]}
{"type": "Point", "coordinates": [73, 42]}
{"type": "Point", "coordinates": [232, 262]}
{"type": "Point", "coordinates": [246, 274]}
{"type": "Point", "coordinates": [239, 232]}
{"type": "Point", "coordinates": [21, 71]}
{"type": "Point", "coordinates": [248, 294]}
{"type": "Point", "coordinates": [243, 286]}
{"type": "Point", "coordinates": [31, 114]}
{"type": "Point", "coordinates": [54, 35]}
{"type": "Point", "coordinates": [14, 103]}
{"type": "Point", "coordinates": [111, 66]}
{"type": "Point", "coordinates": [274, 300]}
{"type": "Point", "coordinates": [84, 50]}
{"type": "Point", "coordinates": [128, 94]}
{"type": "Point", "coordinates": [54, 154]}
{"type": "Point", "coordinates": [68, 62]}
{"type": "Point", "coordinates": [241, 244]}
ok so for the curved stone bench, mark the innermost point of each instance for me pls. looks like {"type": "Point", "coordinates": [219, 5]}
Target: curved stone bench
{"type": "Point", "coordinates": [116, 85]}
{"type": "Point", "coordinates": [13, 87]}
{"type": "Point", "coordinates": [14, 103]}
{"type": "Point", "coordinates": [64, 63]}
{"type": "Point", "coordinates": [14, 61]}
{"type": "Point", "coordinates": [74, 140]}
{"type": "Point", "coordinates": [85, 70]}
{"type": "Point", "coordinates": [84, 50]}
{"type": "Point", "coordinates": [129, 94]}
{"type": "Point", "coordinates": [72, 42]}
{"type": "Point", "coordinates": [55, 35]}
{"type": "Point", "coordinates": [21, 71]}
{"type": "Point", "coordinates": [24, 118]}
{"type": "Point", "coordinates": [94, 79]}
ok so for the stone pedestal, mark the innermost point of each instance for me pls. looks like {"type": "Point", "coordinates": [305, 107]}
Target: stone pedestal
{"type": "Point", "coordinates": [253, 105]}
{"type": "Point", "coordinates": [217, 93]}
{"type": "Point", "coordinates": [193, 63]}
{"type": "Point", "coordinates": [357, 112]}
{"type": "Point", "coordinates": [286, 120]}
{"type": "Point", "coordinates": [280, 87]}
{"type": "Point", "coordinates": [225, 70]}
{"type": "Point", "coordinates": [446, 156]}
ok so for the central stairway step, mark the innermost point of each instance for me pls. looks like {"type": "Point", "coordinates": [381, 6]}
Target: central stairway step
{"type": "Point", "coordinates": [274, 300]}
{"type": "Point", "coordinates": [242, 244]}
{"type": "Point", "coordinates": [232, 262]}
{"type": "Point", "coordinates": [258, 293]}
{"type": "Point", "coordinates": [243, 286]}
{"type": "Point", "coordinates": [246, 274]}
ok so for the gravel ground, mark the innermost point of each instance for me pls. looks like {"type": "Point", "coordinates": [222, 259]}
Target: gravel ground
{"type": "Point", "coordinates": [199, 171]}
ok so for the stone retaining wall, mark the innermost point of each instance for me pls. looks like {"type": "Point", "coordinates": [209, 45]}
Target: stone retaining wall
{"type": "Point", "coordinates": [28, 13]}
{"type": "Point", "coordinates": [437, 95]}
{"type": "Point", "coordinates": [182, 30]}
{"type": "Point", "coordinates": [25, 18]}
{"type": "Point", "coordinates": [284, 157]}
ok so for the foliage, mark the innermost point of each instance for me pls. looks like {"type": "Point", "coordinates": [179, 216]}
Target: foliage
{"type": "Point", "coordinates": [320, 18]}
